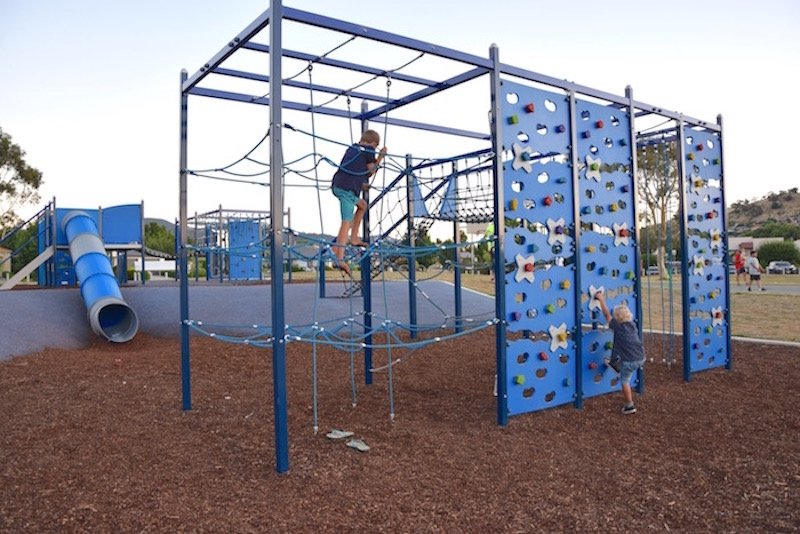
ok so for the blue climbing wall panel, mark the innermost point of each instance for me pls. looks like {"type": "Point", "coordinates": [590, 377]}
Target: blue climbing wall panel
{"type": "Point", "coordinates": [552, 358]}
{"type": "Point", "coordinates": [608, 236]}
{"type": "Point", "coordinates": [539, 249]}
{"type": "Point", "coordinates": [708, 320]}
{"type": "Point", "coordinates": [245, 247]}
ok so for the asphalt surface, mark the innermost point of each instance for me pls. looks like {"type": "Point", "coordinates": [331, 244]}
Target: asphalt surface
{"type": "Point", "coordinates": [33, 319]}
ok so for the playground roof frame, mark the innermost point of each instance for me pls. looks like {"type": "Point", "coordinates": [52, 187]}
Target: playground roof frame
{"type": "Point", "coordinates": [476, 66]}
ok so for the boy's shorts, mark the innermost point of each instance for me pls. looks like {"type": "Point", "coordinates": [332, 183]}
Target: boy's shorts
{"type": "Point", "coordinates": [627, 370]}
{"type": "Point", "coordinates": [755, 277]}
{"type": "Point", "coordinates": [347, 203]}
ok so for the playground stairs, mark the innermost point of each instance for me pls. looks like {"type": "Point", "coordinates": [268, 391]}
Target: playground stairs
{"type": "Point", "coordinates": [17, 242]}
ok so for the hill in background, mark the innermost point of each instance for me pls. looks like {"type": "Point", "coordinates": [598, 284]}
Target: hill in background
{"type": "Point", "coordinates": [748, 216]}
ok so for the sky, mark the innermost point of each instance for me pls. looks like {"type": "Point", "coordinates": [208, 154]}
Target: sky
{"type": "Point", "coordinates": [90, 88]}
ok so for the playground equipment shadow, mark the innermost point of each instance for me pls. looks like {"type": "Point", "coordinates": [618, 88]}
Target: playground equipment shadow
{"type": "Point", "coordinates": [36, 319]}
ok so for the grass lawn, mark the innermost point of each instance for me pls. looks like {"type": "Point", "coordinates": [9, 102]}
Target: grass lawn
{"type": "Point", "coordinates": [757, 315]}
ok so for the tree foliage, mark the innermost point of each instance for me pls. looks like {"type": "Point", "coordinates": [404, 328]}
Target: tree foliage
{"type": "Point", "coordinates": [782, 250]}
{"type": "Point", "coordinates": [157, 237]}
{"type": "Point", "coordinates": [658, 189]}
{"type": "Point", "coordinates": [774, 229]}
{"type": "Point", "coordinates": [19, 182]}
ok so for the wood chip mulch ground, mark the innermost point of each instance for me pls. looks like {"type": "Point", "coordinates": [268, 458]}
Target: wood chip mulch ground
{"type": "Point", "coordinates": [95, 440]}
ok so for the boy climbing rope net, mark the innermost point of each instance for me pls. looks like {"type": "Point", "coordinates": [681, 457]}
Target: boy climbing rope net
{"type": "Point", "coordinates": [358, 165]}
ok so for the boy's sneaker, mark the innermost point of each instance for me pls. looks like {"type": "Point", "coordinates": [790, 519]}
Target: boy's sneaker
{"type": "Point", "coordinates": [614, 364]}
{"type": "Point", "coordinates": [627, 410]}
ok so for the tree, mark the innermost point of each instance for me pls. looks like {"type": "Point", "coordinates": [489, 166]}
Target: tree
{"type": "Point", "coordinates": [159, 238]}
{"type": "Point", "coordinates": [781, 250]}
{"type": "Point", "coordinates": [19, 182]}
{"type": "Point", "coordinates": [658, 185]}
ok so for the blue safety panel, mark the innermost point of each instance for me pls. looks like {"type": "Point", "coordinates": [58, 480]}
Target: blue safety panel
{"type": "Point", "coordinates": [64, 269]}
{"type": "Point", "coordinates": [608, 236]}
{"type": "Point", "coordinates": [245, 250]}
{"type": "Point", "coordinates": [122, 225]}
{"type": "Point", "coordinates": [709, 319]}
{"type": "Point", "coordinates": [61, 237]}
{"type": "Point", "coordinates": [539, 249]}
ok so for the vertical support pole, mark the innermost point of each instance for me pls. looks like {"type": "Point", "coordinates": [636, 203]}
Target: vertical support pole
{"type": "Point", "coordinates": [500, 230]}
{"type": "Point", "coordinates": [638, 255]}
{"type": "Point", "coordinates": [412, 242]}
{"type": "Point", "coordinates": [366, 272]}
{"type": "Point", "coordinates": [276, 241]}
{"type": "Point", "coordinates": [221, 247]}
{"type": "Point", "coordinates": [685, 286]}
{"type": "Point", "coordinates": [141, 223]}
{"type": "Point", "coordinates": [729, 361]}
{"type": "Point", "coordinates": [456, 240]}
{"type": "Point", "coordinates": [50, 274]}
{"type": "Point", "coordinates": [576, 210]}
{"type": "Point", "coordinates": [290, 239]}
{"type": "Point", "coordinates": [186, 380]}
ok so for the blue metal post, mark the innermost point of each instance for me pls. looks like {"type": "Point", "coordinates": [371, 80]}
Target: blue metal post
{"type": "Point", "coordinates": [729, 361]}
{"type": "Point", "coordinates": [366, 274]}
{"type": "Point", "coordinates": [186, 380]}
{"type": "Point", "coordinates": [457, 265]}
{"type": "Point", "coordinates": [685, 287]}
{"type": "Point", "coordinates": [499, 249]}
{"type": "Point", "coordinates": [412, 258]}
{"type": "Point", "coordinates": [276, 243]}
{"type": "Point", "coordinates": [638, 249]}
{"type": "Point", "coordinates": [578, 288]}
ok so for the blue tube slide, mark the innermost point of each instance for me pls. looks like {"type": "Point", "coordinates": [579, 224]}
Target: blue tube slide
{"type": "Point", "coordinates": [109, 315]}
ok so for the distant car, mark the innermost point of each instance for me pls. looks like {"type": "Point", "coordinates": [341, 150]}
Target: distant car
{"type": "Point", "coordinates": [781, 267]}
{"type": "Point", "coordinates": [652, 270]}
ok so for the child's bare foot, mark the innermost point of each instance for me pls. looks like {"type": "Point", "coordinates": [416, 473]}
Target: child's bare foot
{"type": "Point", "coordinates": [344, 267]}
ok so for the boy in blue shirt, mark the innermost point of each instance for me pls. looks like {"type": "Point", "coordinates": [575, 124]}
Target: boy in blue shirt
{"type": "Point", "coordinates": [358, 165]}
{"type": "Point", "coordinates": [627, 355]}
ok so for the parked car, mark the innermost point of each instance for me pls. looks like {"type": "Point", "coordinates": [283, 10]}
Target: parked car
{"type": "Point", "coordinates": [781, 267]}
{"type": "Point", "coordinates": [652, 270]}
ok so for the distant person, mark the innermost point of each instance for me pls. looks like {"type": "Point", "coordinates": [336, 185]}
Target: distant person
{"type": "Point", "coordinates": [627, 355]}
{"type": "Point", "coordinates": [754, 269]}
{"type": "Point", "coordinates": [738, 265]}
{"type": "Point", "coordinates": [359, 163]}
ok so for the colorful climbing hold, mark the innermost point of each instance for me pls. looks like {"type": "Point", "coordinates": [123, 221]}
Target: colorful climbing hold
{"type": "Point", "coordinates": [586, 135]}
{"type": "Point", "coordinates": [590, 249]}
{"type": "Point", "coordinates": [609, 345]}
{"type": "Point", "coordinates": [561, 128]}
{"type": "Point", "coordinates": [519, 380]}
{"type": "Point", "coordinates": [592, 365]}
{"type": "Point", "coordinates": [530, 108]}
{"type": "Point", "coordinates": [513, 203]}
{"type": "Point", "coordinates": [543, 356]}
{"type": "Point", "coordinates": [513, 119]}
{"type": "Point", "coordinates": [549, 308]}
{"type": "Point", "coordinates": [565, 284]}
{"type": "Point", "coordinates": [599, 124]}
{"type": "Point", "coordinates": [548, 200]}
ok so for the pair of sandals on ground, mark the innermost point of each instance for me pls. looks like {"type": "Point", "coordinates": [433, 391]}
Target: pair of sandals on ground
{"type": "Point", "coordinates": [357, 444]}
